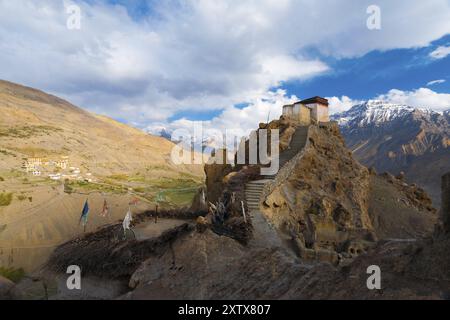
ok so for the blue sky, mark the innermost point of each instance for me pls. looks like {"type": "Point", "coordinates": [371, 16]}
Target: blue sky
{"type": "Point", "coordinates": [138, 9]}
{"type": "Point", "coordinates": [164, 64]}
{"type": "Point", "coordinates": [379, 71]}
{"type": "Point", "coordinates": [362, 78]}
{"type": "Point", "coordinates": [370, 75]}
{"type": "Point", "coordinates": [366, 77]}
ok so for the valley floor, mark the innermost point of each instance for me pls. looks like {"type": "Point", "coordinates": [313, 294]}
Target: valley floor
{"type": "Point", "coordinates": [42, 216]}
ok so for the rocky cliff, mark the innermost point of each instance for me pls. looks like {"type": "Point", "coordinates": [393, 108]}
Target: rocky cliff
{"type": "Point", "coordinates": [414, 269]}
{"type": "Point", "coordinates": [323, 201]}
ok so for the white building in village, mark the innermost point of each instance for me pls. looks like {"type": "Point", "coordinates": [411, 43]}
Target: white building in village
{"type": "Point", "coordinates": [36, 173]}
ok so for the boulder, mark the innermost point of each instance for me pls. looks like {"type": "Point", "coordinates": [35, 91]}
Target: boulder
{"type": "Point", "coordinates": [202, 224]}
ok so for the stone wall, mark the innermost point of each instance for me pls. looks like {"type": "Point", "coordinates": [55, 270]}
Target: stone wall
{"type": "Point", "coordinates": [304, 116]}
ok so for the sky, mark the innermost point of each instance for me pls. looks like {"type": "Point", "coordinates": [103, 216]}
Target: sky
{"type": "Point", "coordinates": [230, 64]}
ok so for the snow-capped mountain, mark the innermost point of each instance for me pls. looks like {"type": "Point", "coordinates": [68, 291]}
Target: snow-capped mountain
{"type": "Point", "coordinates": [160, 131]}
{"type": "Point", "coordinates": [377, 113]}
{"type": "Point", "coordinates": [395, 138]}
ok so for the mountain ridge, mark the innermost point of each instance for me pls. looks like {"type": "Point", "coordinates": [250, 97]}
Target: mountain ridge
{"type": "Point", "coordinates": [400, 138]}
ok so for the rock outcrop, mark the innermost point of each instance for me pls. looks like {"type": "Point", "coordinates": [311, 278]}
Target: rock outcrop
{"type": "Point", "coordinates": [324, 204]}
{"type": "Point", "coordinates": [215, 174]}
{"type": "Point", "coordinates": [5, 288]}
{"type": "Point", "coordinates": [319, 200]}
{"type": "Point", "coordinates": [409, 269]}
{"type": "Point", "coordinates": [328, 206]}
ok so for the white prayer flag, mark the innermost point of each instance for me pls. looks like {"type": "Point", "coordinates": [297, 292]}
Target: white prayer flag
{"type": "Point", "coordinates": [126, 222]}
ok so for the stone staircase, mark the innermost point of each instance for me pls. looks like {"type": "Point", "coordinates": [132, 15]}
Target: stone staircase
{"type": "Point", "coordinates": [298, 142]}
{"type": "Point", "coordinates": [264, 233]}
{"type": "Point", "coordinates": [253, 191]}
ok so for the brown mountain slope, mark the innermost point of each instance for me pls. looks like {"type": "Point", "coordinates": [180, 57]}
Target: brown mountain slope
{"type": "Point", "coordinates": [106, 160]}
{"type": "Point", "coordinates": [34, 124]}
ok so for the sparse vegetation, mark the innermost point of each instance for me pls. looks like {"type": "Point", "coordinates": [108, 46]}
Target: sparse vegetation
{"type": "Point", "coordinates": [15, 275]}
{"type": "Point", "coordinates": [85, 186]}
{"type": "Point", "coordinates": [157, 167]}
{"type": "Point", "coordinates": [2, 179]}
{"type": "Point", "coordinates": [27, 131]}
{"type": "Point", "coordinates": [38, 152]}
{"type": "Point", "coordinates": [67, 187]}
{"type": "Point", "coordinates": [118, 177]}
{"type": "Point", "coordinates": [13, 173]}
{"type": "Point", "coordinates": [180, 198]}
{"type": "Point", "coordinates": [5, 199]}
{"type": "Point", "coordinates": [21, 197]}
{"type": "Point", "coordinates": [180, 183]}
{"type": "Point", "coordinates": [7, 153]}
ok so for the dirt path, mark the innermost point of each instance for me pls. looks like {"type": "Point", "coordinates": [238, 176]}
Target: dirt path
{"type": "Point", "coordinates": [264, 233]}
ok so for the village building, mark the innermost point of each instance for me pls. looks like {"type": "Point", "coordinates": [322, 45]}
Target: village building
{"type": "Point", "coordinates": [36, 173]}
{"type": "Point", "coordinates": [62, 164]}
{"type": "Point", "coordinates": [34, 161]}
{"type": "Point", "coordinates": [312, 110]}
{"type": "Point", "coordinates": [28, 167]}
{"type": "Point", "coordinates": [55, 176]}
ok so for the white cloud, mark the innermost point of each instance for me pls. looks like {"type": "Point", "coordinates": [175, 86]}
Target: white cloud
{"type": "Point", "coordinates": [240, 122]}
{"type": "Point", "coordinates": [195, 54]}
{"type": "Point", "coordinates": [440, 52]}
{"type": "Point", "coordinates": [341, 104]}
{"type": "Point", "coordinates": [237, 121]}
{"type": "Point", "coordinates": [422, 97]}
{"type": "Point", "coordinates": [432, 83]}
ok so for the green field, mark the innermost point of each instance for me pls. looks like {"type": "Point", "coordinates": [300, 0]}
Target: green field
{"type": "Point", "coordinates": [15, 275]}
{"type": "Point", "coordinates": [169, 192]}
{"type": "Point", "coordinates": [5, 199]}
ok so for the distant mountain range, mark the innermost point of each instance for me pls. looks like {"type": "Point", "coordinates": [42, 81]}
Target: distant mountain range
{"type": "Point", "coordinates": [399, 138]}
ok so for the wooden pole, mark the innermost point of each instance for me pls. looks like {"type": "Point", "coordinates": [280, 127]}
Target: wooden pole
{"type": "Point", "coordinates": [243, 211]}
